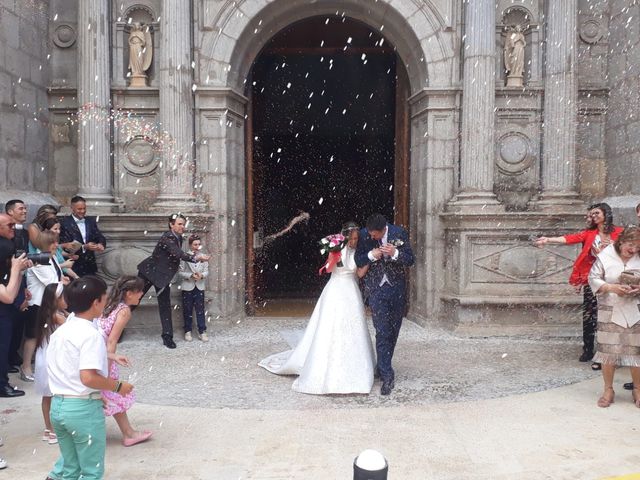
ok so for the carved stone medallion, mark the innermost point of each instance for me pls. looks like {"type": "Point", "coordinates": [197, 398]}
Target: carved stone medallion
{"type": "Point", "coordinates": [514, 153]}
{"type": "Point", "coordinates": [64, 35]}
{"type": "Point", "coordinates": [591, 31]}
{"type": "Point", "coordinates": [140, 156]}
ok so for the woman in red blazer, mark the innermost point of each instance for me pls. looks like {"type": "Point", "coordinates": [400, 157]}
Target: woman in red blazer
{"type": "Point", "coordinates": [600, 232]}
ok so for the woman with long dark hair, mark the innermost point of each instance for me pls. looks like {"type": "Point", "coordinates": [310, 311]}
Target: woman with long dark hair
{"type": "Point", "coordinates": [50, 316]}
{"type": "Point", "coordinates": [599, 234]}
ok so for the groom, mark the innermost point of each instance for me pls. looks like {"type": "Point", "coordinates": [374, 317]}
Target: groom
{"type": "Point", "coordinates": [387, 251]}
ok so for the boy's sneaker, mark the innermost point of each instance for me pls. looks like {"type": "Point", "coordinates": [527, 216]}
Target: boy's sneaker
{"type": "Point", "coordinates": [3, 463]}
{"type": "Point", "coordinates": [203, 336]}
{"type": "Point", "coordinates": [187, 336]}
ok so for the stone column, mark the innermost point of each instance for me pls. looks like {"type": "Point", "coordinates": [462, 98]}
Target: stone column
{"type": "Point", "coordinates": [560, 105]}
{"type": "Point", "coordinates": [94, 146]}
{"type": "Point", "coordinates": [176, 107]}
{"type": "Point", "coordinates": [478, 101]}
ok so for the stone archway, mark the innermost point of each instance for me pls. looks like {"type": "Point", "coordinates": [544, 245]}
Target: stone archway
{"type": "Point", "coordinates": [234, 36]}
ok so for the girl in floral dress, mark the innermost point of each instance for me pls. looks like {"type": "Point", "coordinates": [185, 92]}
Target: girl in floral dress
{"type": "Point", "coordinates": [127, 291]}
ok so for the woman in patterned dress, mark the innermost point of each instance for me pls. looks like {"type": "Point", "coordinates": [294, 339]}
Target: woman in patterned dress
{"type": "Point", "coordinates": [127, 291]}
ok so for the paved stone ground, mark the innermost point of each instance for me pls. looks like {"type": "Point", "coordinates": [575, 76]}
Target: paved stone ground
{"type": "Point", "coordinates": [462, 410]}
{"type": "Point", "coordinates": [432, 366]}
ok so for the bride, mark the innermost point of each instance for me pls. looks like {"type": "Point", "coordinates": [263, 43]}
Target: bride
{"type": "Point", "coordinates": [335, 354]}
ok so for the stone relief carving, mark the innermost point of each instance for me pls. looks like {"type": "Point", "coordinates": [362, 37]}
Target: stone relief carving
{"type": "Point", "coordinates": [140, 54]}
{"type": "Point", "coordinates": [64, 36]}
{"type": "Point", "coordinates": [591, 31]}
{"type": "Point", "coordinates": [517, 264]}
{"type": "Point", "coordinates": [60, 133]}
{"type": "Point", "coordinates": [122, 260]}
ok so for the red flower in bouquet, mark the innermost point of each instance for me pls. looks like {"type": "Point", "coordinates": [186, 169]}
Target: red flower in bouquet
{"type": "Point", "coordinates": [332, 245]}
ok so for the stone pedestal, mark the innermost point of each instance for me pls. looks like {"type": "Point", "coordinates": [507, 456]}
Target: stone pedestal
{"type": "Point", "coordinates": [515, 81]}
{"type": "Point", "coordinates": [138, 81]}
{"type": "Point", "coordinates": [498, 283]}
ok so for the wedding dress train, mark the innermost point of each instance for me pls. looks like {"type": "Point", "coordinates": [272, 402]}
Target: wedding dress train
{"type": "Point", "coordinates": [335, 354]}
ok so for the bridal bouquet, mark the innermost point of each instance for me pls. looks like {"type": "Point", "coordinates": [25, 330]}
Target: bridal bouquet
{"type": "Point", "coordinates": [332, 245]}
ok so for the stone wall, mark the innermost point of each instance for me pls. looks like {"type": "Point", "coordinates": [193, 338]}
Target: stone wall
{"type": "Point", "coordinates": [24, 77]}
{"type": "Point", "coordinates": [623, 115]}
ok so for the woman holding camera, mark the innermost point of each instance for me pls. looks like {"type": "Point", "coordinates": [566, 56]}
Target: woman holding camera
{"type": "Point", "coordinates": [599, 234]}
{"type": "Point", "coordinates": [618, 312]}
{"type": "Point", "coordinates": [38, 277]}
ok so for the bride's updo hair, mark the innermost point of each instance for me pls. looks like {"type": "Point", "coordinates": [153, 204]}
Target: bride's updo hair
{"type": "Point", "coordinates": [348, 227]}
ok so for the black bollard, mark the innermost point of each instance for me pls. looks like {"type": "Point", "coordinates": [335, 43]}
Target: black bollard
{"type": "Point", "coordinates": [370, 465]}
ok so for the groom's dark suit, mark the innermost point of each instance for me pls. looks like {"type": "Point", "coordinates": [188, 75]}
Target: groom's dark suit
{"type": "Point", "coordinates": [385, 286]}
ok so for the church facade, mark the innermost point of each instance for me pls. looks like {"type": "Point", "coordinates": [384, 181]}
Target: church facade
{"type": "Point", "coordinates": [510, 117]}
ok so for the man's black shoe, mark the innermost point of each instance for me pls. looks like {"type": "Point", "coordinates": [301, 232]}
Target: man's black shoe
{"type": "Point", "coordinates": [168, 341]}
{"type": "Point", "coordinates": [628, 386]}
{"type": "Point", "coordinates": [387, 386]}
{"type": "Point", "coordinates": [586, 357]}
{"type": "Point", "coordinates": [8, 391]}
{"type": "Point", "coordinates": [13, 370]}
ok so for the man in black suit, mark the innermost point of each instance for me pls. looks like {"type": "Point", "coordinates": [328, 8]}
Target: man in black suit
{"type": "Point", "coordinates": [80, 228]}
{"type": "Point", "coordinates": [11, 297]}
{"type": "Point", "coordinates": [17, 210]}
{"type": "Point", "coordinates": [160, 268]}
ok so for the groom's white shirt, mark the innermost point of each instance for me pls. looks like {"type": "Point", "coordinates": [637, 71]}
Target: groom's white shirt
{"type": "Point", "coordinates": [383, 240]}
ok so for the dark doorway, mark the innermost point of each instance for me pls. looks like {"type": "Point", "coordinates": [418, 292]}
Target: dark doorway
{"type": "Point", "coordinates": [322, 140]}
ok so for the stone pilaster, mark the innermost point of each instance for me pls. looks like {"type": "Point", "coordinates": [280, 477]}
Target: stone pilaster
{"type": "Point", "coordinates": [94, 147]}
{"type": "Point", "coordinates": [220, 115]}
{"type": "Point", "coordinates": [560, 105]}
{"type": "Point", "coordinates": [478, 101]}
{"type": "Point", "coordinates": [176, 107]}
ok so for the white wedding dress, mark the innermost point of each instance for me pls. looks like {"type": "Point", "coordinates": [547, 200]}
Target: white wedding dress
{"type": "Point", "coordinates": [335, 354]}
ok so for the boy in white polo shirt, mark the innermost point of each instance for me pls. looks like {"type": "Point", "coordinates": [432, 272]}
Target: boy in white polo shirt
{"type": "Point", "coordinates": [77, 368]}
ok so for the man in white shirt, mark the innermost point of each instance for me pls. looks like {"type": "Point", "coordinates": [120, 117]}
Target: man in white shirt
{"type": "Point", "coordinates": [78, 370]}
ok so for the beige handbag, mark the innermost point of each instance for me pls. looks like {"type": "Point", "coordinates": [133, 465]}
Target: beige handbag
{"type": "Point", "coordinates": [630, 277]}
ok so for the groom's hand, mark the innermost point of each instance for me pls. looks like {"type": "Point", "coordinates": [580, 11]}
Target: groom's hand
{"type": "Point", "coordinates": [388, 249]}
{"type": "Point", "coordinates": [377, 253]}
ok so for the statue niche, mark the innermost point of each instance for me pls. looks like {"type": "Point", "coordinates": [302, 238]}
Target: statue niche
{"type": "Point", "coordinates": [140, 53]}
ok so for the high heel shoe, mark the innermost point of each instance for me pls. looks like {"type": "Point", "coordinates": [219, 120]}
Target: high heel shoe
{"type": "Point", "coordinates": [604, 402]}
{"type": "Point", "coordinates": [24, 377]}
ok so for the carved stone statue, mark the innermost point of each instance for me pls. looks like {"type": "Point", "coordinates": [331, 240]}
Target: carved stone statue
{"type": "Point", "coordinates": [514, 55]}
{"type": "Point", "coordinates": [140, 54]}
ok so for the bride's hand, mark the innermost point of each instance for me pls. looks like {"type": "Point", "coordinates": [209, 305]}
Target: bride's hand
{"type": "Point", "coordinates": [362, 271]}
